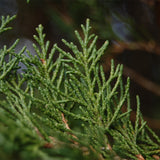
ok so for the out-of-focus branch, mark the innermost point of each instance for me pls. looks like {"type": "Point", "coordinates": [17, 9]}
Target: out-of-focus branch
{"type": "Point", "coordinates": [150, 46]}
{"type": "Point", "coordinates": [142, 81]}
{"type": "Point", "coordinates": [149, 2]}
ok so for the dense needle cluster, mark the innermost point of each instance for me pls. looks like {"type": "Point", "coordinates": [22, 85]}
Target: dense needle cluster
{"type": "Point", "coordinates": [65, 107]}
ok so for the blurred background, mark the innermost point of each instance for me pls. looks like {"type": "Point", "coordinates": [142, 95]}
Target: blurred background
{"type": "Point", "coordinates": [131, 26]}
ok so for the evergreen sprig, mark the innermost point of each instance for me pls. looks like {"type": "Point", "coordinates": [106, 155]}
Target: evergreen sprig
{"type": "Point", "coordinates": [68, 104]}
{"type": "Point", "coordinates": [4, 23]}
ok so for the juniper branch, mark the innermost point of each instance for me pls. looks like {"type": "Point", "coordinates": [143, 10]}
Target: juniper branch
{"type": "Point", "coordinates": [50, 96]}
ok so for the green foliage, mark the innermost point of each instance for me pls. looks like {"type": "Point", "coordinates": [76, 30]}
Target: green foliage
{"type": "Point", "coordinates": [4, 23]}
{"type": "Point", "coordinates": [66, 107]}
